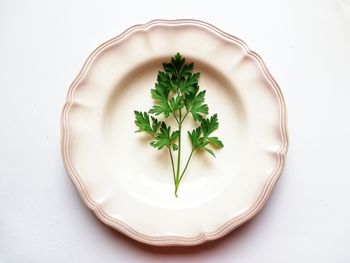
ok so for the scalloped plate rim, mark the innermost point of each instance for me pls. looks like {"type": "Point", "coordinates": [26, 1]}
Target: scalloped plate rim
{"type": "Point", "coordinates": [174, 240]}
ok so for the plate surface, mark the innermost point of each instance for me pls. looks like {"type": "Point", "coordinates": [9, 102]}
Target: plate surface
{"type": "Point", "coordinates": [127, 183]}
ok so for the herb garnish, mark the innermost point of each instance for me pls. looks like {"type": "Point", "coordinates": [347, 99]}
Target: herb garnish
{"type": "Point", "coordinates": [177, 94]}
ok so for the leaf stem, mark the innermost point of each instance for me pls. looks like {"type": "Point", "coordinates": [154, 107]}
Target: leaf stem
{"type": "Point", "coordinates": [178, 156]}
{"type": "Point", "coordinates": [183, 172]}
{"type": "Point", "coordinates": [177, 120]}
{"type": "Point", "coordinates": [184, 117]}
{"type": "Point", "coordinates": [172, 163]}
{"type": "Point", "coordinates": [173, 112]}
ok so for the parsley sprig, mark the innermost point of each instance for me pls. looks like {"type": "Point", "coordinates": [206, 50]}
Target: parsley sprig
{"type": "Point", "coordinates": [176, 94]}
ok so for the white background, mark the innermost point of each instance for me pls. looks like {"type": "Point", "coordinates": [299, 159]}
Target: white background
{"type": "Point", "coordinates": [306, 46]}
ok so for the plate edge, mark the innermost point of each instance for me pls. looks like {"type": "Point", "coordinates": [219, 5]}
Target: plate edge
{"type": "Point", "coordinates": [175, 240]}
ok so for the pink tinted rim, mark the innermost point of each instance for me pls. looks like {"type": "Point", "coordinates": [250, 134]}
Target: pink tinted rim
{"type": "Point", "coordinates": [175, 240]}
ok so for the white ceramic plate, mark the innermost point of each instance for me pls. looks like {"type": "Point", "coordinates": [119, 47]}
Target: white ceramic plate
{"type": "Point", "coordinates": [127, 183]}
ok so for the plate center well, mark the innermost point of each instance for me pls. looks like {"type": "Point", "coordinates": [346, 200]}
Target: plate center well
{"type": "Point", "coordinates": [136, 166]}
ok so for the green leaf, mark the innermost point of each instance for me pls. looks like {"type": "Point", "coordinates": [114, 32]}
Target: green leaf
{"type": "Point", "coordinates": [164, 137]}
{"type": "Point", "coordinates": [199, 136]}
{"type": "Point", "coordinates": [161, 93]}
{"type": "Point", "coordinates": [175, 147]}
{"type": "Point", "coordinates": [175, 66]}
{"type": "Point", "coordinates": [214, 141]}
{"type": "Point", "coordinates": [155, 124]}
{"type": "Point", "coordinates": [164, 82]}
{"type": "Point", "coordinates": [197, 107]}
{"type": "Point", "coordinates": [209, 125]}
{"type": "Point", "coordinates": [188, 84]}
{"type": "Point", "coordinates": [177, 103]}
{"type": "Point", "coordinates": [161, 108]}
{"type": "Point", "coordinates": [174, 136]}
{"type": "Point", "coordinates": [187, 70]}
{"type": "Point", "coordinates": [189, 98]}
{"type": "Point", "coordinates": [209, 151]}
{"type": "Point", "coordinates": [180, 74]}
{"type": "Point", "coordinates": [142, 122]}
{"type": "Point", "coordinates": [195, 137]}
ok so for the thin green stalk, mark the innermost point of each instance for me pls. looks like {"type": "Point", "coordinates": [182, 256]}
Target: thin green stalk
{"type": "Point", "coordinates": [184, 117]}
{"type": "Point", "coordinates": [178, 177]}
{"type": "Point", "coordinates": [178, 122]}
{"type": "Point", "coordinates": [172, 163]}
{"type": "Point", "coordinates": [183, 172]}
{"type": "Point", "coordinates": [178, 156]}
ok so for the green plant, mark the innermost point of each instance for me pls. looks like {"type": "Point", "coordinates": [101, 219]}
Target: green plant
{"type": "Point", "coordinates": [176, 94]}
